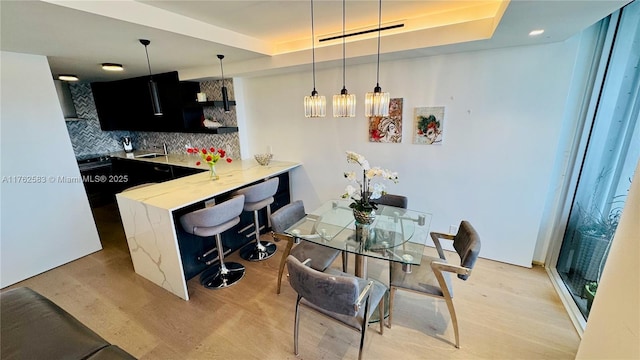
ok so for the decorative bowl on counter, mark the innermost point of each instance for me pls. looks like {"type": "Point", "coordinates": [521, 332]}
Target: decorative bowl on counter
{"type": "Point", "coordinates": [211, 124]}
{"type": "Point", "coordinates": [263, 159]}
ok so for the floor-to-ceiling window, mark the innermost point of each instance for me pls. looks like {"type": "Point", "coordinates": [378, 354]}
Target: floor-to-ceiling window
{"type": "Point", "coordinates": [606, 170]}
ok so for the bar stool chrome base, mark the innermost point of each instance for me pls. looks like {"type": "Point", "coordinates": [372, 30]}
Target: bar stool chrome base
{"type": "Point", "coordinates": [255, 252]}
{"type": "Point", "coordinates": [212, 221]}
{"type": "Point", "coordinates": [217, 277]}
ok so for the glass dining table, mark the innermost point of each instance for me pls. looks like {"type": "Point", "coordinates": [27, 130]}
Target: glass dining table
{"type": "Point", "coordinates": [396, 234]}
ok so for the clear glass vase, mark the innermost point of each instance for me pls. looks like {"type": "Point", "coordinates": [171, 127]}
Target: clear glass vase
{"type": "Point", "coordinates": [213, 175]}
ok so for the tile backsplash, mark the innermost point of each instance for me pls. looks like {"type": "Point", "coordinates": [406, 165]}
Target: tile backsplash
{"type": "Point", "coordinates": [87, 137]}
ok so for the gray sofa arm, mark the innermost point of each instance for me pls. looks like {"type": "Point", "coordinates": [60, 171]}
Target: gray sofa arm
{"type": "Point", "coordinates": [33, 327]}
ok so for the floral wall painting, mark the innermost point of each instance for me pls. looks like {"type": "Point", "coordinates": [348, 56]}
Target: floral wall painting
{"type": "Point", "coordinates": [387, 129]}
{"type": "Point", "coordinates": [429, 123]}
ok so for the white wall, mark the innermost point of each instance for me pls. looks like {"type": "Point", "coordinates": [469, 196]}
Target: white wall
{"type": "Point", "coordinates": [44, 225]}
{"type": "Point", "coordinates": [613, 329]}
{"type": "Point", "coordinates": [504, 111]}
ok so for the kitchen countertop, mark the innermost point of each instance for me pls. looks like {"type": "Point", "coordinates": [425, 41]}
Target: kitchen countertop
{"type": "Point", "coordinates": [185, 160]}
{"type": "Point", "coordinates": [178, 193]}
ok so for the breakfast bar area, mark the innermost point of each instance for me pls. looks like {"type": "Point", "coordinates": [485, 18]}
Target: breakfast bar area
{"type": "Point", "coordinates": [160, 250]}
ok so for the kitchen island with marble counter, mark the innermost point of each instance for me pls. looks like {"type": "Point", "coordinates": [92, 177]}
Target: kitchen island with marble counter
{"type": "Point", "coordinates": [149, 213]}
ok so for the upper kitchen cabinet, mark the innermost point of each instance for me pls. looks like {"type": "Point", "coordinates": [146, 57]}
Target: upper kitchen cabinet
{"type": "Point", "coordinates": [126, 104]}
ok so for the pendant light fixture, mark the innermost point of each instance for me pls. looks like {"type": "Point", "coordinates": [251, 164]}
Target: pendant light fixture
{"type": "Point", "coordinates": [344, 104]}
{"type": "Point", "coordinates": [225, 94]}
{"type": "Point", "coordinates": [153, 86]}
{"type": "Point", "coordinates": [376, 103]}
{"type": "Point", "coordinates": [314, 105]}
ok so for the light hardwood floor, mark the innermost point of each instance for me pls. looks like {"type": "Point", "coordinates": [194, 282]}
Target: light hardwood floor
{"type": "Point", "coordinates": [504, 312]}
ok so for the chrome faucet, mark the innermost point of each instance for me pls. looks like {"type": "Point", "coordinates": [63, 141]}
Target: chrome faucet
{"type": "Point", "coordinates": [164, 149]}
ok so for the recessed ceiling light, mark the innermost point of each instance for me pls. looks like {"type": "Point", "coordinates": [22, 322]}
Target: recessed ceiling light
{"type": "Point", "coordinates": [67, 77]}
{"type": "Point", "coordinates": [536, 32]}
{"type": "Point", "coordinates": [112, 67]}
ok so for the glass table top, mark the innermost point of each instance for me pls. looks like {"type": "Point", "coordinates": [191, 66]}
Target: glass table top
{"type": "Point", "coordinates": [396, 234]}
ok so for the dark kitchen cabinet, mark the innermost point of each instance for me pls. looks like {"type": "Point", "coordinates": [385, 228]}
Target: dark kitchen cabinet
{"type": "Point", "coordinates": [181, 171]}
{"type": "Point", "coordinates": [126, 104]}
{"type": "Point", "coordinates": [139, 172]}
{"type": "Point", "coordinates": [98, 184]}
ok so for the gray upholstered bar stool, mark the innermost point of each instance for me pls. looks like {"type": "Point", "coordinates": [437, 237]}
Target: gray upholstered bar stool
{"type": "Point", "coordinates": [211, 222]}
{"type": "Point", "coordinates": [256, 198]}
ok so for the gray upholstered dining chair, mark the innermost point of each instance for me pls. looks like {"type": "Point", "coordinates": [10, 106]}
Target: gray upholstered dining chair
{"type": "Point", "coordinates": [432, 276]}
{"type": "Point", "coordinates": [322, 257]}
{"type": "Point", "coordinates": [339, 296]}
{"type": "Point", "coordinates": [398, 201]}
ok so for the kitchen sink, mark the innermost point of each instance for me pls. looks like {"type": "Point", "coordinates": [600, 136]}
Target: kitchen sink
{"type": "Point", "coordinates": [150, 155]}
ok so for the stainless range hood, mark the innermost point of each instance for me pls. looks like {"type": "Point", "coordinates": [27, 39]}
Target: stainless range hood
{"type": "Point", "coordinates": [66, 101]}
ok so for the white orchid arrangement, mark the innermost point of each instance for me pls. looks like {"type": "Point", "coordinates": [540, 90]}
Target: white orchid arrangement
{"type": "Point", "coordinates": [363, 195]}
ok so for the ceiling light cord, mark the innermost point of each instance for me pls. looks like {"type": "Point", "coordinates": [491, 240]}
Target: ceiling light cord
{"type": "Point", "coordinates": [344, 81]}
{"type": "Point", "coordinates": [148, 62]}
{"type": "Point", "coordinates": [314, 105]}
{"type": "Point", "coordinates": [344, 104]}
{"type": "Point", "coordinates": [313, 52]}
{"type": "Point", "coordinates": [221, 68]}
{"type": "Point", "coordinates": [378, 62]}
{"type": "Point", "coordinates": [377, 102]}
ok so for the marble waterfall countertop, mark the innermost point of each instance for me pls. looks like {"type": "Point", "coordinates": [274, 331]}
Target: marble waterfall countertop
{"type": "Point", "coordinates": [178, 193]}
{"type": "Point", "coordinates": [147, 212]}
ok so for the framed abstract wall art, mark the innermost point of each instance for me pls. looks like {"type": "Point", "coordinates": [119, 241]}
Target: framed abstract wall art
{"type": "Point", "coordinates": [387, 129]}
{"type": "Point", "coordinates": [428, 126]}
